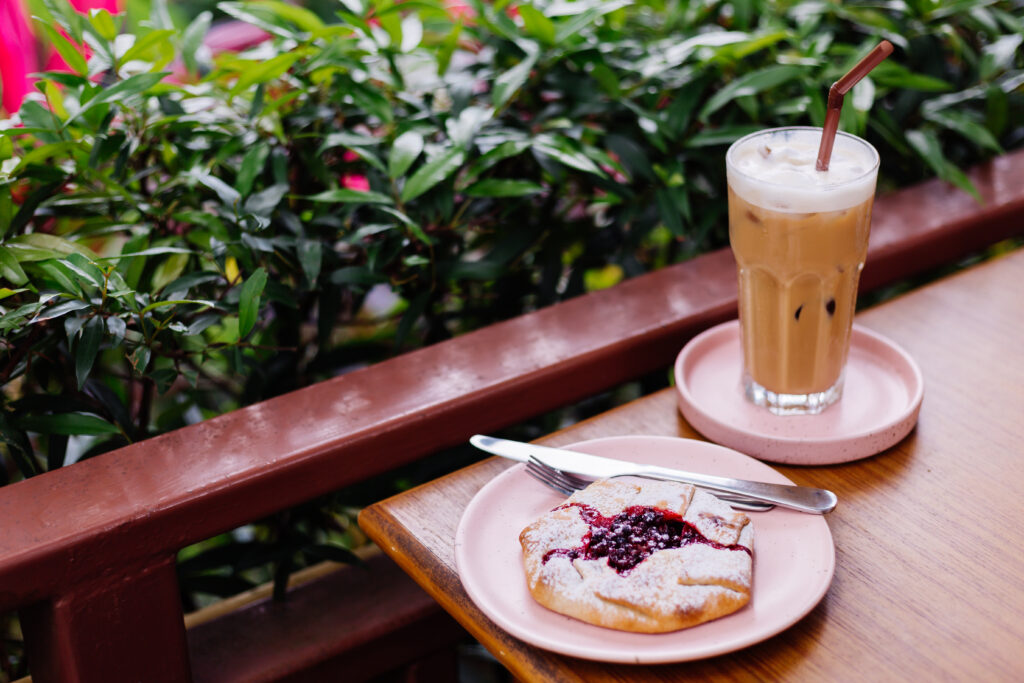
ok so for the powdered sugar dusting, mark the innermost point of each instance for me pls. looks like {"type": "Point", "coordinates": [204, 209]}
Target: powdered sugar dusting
{"type": "Point", "coordinates": [610, 496]}
{"type": "Point", "coordinates": [668, 590]}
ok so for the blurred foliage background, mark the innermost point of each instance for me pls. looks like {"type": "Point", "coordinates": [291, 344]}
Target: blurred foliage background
{"type": "Point", "coordinates": [185, 231]}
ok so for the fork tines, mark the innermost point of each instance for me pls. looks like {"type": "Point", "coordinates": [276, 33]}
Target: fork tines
{"type": "Point", "coordinates": [563, 482]}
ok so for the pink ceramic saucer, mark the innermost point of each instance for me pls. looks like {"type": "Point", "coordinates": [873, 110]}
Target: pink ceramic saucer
{"type": "Point", "coordinates": [880, 403]}
{"type": "Point", "coordinates": [794, 560]}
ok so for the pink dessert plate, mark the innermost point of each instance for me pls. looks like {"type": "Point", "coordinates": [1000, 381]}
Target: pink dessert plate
{"type": "Point", "coordinates": [880, 403]}
{"type": "Point", "coordinates": [794, 559]}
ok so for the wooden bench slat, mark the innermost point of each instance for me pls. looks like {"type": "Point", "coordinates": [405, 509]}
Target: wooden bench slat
{"type": "Point", "coordinates": [363, 620]}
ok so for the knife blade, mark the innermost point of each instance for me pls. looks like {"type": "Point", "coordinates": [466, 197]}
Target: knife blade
{"type": "Point", "coordinates": [802, 498]}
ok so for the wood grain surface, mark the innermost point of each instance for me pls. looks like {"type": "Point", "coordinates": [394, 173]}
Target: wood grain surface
{"type": "Point", "coordinates": [928, 534]}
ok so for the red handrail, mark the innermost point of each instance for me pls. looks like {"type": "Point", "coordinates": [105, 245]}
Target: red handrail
{"type": "Point", "coordinates": [87, 551]}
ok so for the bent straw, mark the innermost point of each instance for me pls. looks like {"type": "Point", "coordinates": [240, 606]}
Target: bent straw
{"type": "Point", "coordinates": [835, 99]}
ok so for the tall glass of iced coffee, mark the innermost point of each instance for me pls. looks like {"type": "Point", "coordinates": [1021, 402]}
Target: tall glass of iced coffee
{"type": "Point", "coordinates": [800, 237]}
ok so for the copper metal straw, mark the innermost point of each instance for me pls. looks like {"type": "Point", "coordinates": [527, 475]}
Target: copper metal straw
{"type": "Point", "coordinates": [835, 99]}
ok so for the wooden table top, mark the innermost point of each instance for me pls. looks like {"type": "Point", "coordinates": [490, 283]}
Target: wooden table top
{"type": "Point", "coordinates": [929, 580]}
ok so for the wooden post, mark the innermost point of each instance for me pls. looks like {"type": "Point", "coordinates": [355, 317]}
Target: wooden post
{"type": "Point", "coordinates": [123, 626]}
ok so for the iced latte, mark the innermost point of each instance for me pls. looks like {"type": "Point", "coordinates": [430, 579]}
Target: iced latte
{"type": "Point", "coordinates": [800, 237]}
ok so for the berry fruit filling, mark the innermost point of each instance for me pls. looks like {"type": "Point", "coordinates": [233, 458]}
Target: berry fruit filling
{"type": "Point", "coordinates": [630, 537]}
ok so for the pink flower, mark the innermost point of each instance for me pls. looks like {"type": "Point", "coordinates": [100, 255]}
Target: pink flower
{"type": "Point", "coordinates": [234, 36]}
{"type": "Point", "coordinates": [17, 54]}
{"type": "Point", "coordinates": [457, 9]}
{"type": "Point", "coordinates": [83, 6]}
{"type": "Point", "coordinates": [355, 181]}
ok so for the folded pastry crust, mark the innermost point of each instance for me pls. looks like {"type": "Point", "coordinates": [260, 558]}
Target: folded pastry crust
{"type": "Point", "coordinates": [708, 574]}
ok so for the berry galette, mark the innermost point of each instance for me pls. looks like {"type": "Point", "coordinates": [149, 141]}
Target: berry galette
{"type": "Point", "coordinates": [640, 555]}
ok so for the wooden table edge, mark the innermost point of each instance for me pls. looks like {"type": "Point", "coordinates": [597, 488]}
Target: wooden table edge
{"type": "Point", "coordinates": [445, 586]}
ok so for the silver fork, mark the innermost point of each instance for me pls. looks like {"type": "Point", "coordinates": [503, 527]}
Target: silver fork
{"type": "Point", "coordinates": [567, 483]}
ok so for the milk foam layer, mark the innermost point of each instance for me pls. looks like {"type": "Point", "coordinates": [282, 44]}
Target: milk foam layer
{"type": "Point", "coordinates": [776, 170]}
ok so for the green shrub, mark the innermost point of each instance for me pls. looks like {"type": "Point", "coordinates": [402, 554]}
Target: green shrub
{"type": "Point", "coordinates": [173, 247]}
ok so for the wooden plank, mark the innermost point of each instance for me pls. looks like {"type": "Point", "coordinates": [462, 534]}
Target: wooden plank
{"type": "Point", "coordinates": [359, 622]}
{"type": "Point", "coordinates": [926, 585]}
{"type": "Point", "coordinates": [64, 640]}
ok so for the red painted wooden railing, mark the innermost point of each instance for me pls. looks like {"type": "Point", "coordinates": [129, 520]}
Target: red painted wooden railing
{"type": "Point", "coordinates": [87, 551]}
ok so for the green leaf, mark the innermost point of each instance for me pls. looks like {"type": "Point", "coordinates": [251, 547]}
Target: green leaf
{"type": "Point", "coordinates": [39, 246]}
{"type": "Point", "coordinates": [536, 24]}
{"type": "Point", "coordinates": [143, 45]}
{"type": "Point", "coordinates": [997, 110]}
{"type": "Point", "coordinates": [228, 195]}
{"type": "Point", "coordinates": [192, 40]}
{"type": "Point", "coordinates": [432, 173]}
{"type": "Point", "coordinates": [413, 226]}
{"type": "Point", "coordinates": [139, 358]}
{"type": "Point", "coordinates": [62, 276]}
{"type": "Point", "coordinates": [60, 309]}
{"type": "Point", "coordinates": [252, 165]}
{"type": "Point", "coordinates": [356, 275]}
{"type": "Point", "coordinates": [264, 202]}
{"type": "Point", "coordinates": [632, 155]}
{"type": "Point", "coordinates": [413, 313]}
{"type": "Point", "coordinates": [263, 72]}
{"type": "Point", "coordinates": [86, 348]}
{"type": "Point", "coordinates": [249, 301]}
{"type": "Point", "coordinates": [509, 148]}
{"type": "Point", "coordinates": [892, 74]}
{"type": "Point", "coordinates": [726, 135]}
{"type": "Point", "coordinates": [168, 271]}
{"type": "Point", "coordinates": [583, 15]}
{"type": "Point", "coordinates": [262, 17]}
{"type": "Point", "coordinates": [670, 215]}
{"type": "Point", "coordinates": [680, 111]}
{"type": "Point", "coordinates": [7, 291]}
{"type": "Point", "coordinates": [928, 146]}
{"type": "Point", "coordinates": [103, 23]}
{"type": "Point", "coordinates": [299, 16]}
{"type": "Point", "coordinates": [177, 302]}
{"type": "Point", "coordinates": [404, 151]}
{"type": "Point", "coordinates": [345, 139]}
{"type": "Point", "coordinates": [119, 92]}
{"type": "Point", "coordinates": [607, 79]}
{"type": "Point", "coordinates": [448, 46]}
{"type": "Point", "coordinates": [1000, 54]}
{"type": "Point", "coordinates": [346, 196]}
{"type": "Point", "coordinates": [67, 423]}
{"type": "Point", "coordinates": [116, 327]}
{"type": "Point", "coordinates": [508, 83]}
{"type": "Point", "coordinates": [310, 254]}
{"type": "Point", "coordinates": [65, 49]}
{"type": "Point", "coordinates": [154, 251]}
{"type": "Point", "coordinates": [201, 323]}
{"type": "Point", "coordinates": [751, 83]}
{"type": "Point", "coordinates": [372, 100]}
{"type": "Point", "coordinates": [561, 150]}
{"type": "Point", "coordinates": [497, 187]}
{"type": "Point", "coordinates": [85, 268]}
{"type": "Point", "coordinates": [963, 124]}
{"type": "Point", "coordinates": [10, 269]}
{"type": "Point", "coordinates": [369, 157]}
{"type": "Point", "coordinates": [19, 446]}
{"type": "Point", "coordinates": [163, 378]}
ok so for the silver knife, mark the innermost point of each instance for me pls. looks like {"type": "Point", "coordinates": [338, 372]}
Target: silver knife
{"type": "Point", "coordinates": [802, 498]}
